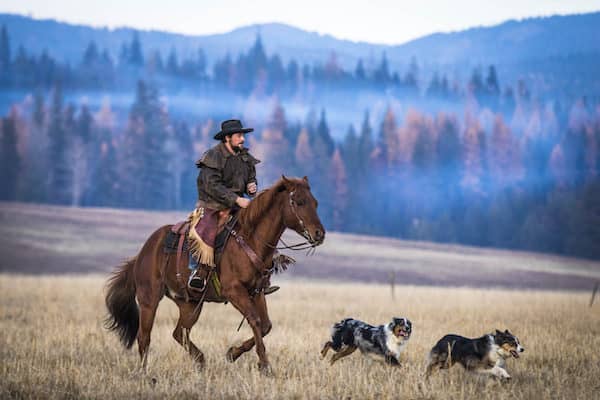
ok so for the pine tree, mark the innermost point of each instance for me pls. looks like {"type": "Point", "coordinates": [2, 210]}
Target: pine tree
{"type": "Point", "coordinates": [105, 188]}
{"type": "Point", "coordinates": [143, 160]}
{"type": "Point", "coordinates": [61, 177]}
{"type": "Point", "coordinates": [434, 88]}
{"type": "Point", "coordinates": [491, 82]}
{"type": "Point", "coordinates": [124, 55]}
{"type": "Point", "coordinates": [411, 79]}
{"type": "Point", "coordinates": [81, 155]}
{"type": "Point", "coordinates": [136, 57]}
{"type": "Point", "coordinates": [5, 61]}
{"type": "Point", "coordinates": [350, 152]}
{"type": "Point", "coordinates": [155, 63]}
{"type": "Point", "coordinates": [382, 74]}
{"type": "Point", "coordinates": [91, 55]}
{"type": "Point", "coordinates": [476, 86]}
{"type": "Point", "coordinates": [359, 72]}
{"type": "Point", "coordinates": [448, 156]}
{"type": "Point", "coordinates": [201, 64]}
{"type": "Point", "coordinates": [10, 160]}
{"type": "Point", "coordinates": [365, 144]}
{"type": "Point", "coordinates": [276, 74]}
{"type": "Point", "coordinates": [172, 63]}
{"type": "Point", "coordinates": [324, 135]}
{"type": "Point", "coordinates": [389, 139]}
{"type": "Point", "coordinates": [35, 161]}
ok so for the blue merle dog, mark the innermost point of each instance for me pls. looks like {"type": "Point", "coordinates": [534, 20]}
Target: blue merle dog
{"type": "Point", "coordinates": [383, 341]}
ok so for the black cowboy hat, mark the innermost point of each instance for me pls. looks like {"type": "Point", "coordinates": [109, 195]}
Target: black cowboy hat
{"type": "Point", "coordinates": [230, 127]}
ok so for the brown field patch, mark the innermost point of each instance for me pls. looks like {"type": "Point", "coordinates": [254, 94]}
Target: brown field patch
{"type": "Point", "coordinates": [50, 239]}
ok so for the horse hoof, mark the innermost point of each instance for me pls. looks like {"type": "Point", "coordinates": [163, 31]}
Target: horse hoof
{"type": "Point", "coordinates": [230, 356]}
{"type": "Point", "coordinates": [199, 362]}
{"type": "Point", "coordinates": [266, 370]}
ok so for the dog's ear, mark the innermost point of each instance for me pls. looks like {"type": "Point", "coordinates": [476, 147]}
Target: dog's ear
{"type": "Point", "coordinates": [506, 331]}
{"type": "Point", "coordinates": [498, 332]}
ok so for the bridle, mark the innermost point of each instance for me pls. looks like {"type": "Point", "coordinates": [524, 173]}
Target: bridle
{"type": "Point", "coordinates": [309, 243]}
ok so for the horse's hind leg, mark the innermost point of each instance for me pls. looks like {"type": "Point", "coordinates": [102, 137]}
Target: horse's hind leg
{"type": "Point", "coordinates": [188, 315]}
{"type": "Point", "coordinates": [147, 314]}
{"type": "Point", "coordinates": [265, 325]}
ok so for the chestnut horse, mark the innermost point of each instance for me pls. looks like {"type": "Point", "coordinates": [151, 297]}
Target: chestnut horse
{"type": "Point", "coordinates": [152, 274]}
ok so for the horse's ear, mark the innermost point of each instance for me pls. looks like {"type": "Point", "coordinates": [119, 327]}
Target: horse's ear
{"type": "Point", "coordinates": [283, 184]}
{"type": "Point", "coordinates": [305, 178]}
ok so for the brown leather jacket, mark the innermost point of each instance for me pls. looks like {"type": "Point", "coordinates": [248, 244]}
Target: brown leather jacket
{"type": "Point", "coordinates": [224, 176]}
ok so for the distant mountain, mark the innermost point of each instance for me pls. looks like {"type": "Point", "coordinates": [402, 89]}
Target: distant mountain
{"type": "Point", "coordinates": [510, 44]}
{"type": "Point", "coordinates": [67, 41]}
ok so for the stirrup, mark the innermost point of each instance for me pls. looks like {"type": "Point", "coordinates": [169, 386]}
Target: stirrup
{"type": "Point", "coordinates": [197, 280]}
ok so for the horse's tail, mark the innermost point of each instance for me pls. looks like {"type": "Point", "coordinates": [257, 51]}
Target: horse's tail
{"type": "Point", "coordinates": [122, 308]}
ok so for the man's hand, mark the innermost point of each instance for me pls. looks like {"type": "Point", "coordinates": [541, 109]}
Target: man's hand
{"type": "Point", "coordinates": [251, 188]}
{"type": "Point", "coordinates": [242, 202]}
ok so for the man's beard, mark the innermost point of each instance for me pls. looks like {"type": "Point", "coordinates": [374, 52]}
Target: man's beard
{"type": "Point", "coordinates": [238, 148]}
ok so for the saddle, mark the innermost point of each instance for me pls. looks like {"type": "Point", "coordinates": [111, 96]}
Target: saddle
{"type": "Point", "coordinates": [177, 241]}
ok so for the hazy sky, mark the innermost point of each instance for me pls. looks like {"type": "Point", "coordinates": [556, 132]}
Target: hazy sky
{"type": "Point", "coordinates": [376, 21]}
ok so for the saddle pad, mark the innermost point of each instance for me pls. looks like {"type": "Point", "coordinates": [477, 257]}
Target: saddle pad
{"type": "Point", "coordinates": [172, 240]}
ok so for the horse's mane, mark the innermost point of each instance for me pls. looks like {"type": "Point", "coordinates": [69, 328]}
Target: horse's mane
{"type": "Point", "coordinates": [263, 201]}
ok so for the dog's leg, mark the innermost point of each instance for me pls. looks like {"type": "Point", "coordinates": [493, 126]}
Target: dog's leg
{"type": "Point", "coordinates": [435, 361]}
{"type": "Point", "coordinates": [391, 359]}
{"type": "Point", "coordinates": [326, 348]}
{"type": "Point", "coordinates": [495, 371]}
{"type": "Point", "coordinates": [345, 352]}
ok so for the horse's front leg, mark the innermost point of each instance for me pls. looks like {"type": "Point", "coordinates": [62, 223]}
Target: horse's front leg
{"type": "Point", "coordinates": [239, 297]}
{"type": "Point", "coordinates": [260, 303]}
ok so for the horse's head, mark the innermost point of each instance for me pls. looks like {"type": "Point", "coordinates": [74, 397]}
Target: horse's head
{"type": "Point", "coordinates": [300, 211]}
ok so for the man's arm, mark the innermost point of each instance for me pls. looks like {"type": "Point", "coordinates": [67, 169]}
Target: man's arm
{"type": "Point", "coordinates": [213, 185]}
{"type": "Point", "coordinates": [252, 184]}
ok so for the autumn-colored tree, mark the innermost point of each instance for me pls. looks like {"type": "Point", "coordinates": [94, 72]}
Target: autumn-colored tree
{"type": "Point", "coordinates": [339, 187]}
{"type": "Point", "coordinates": [304, 154]}
{"type": "Point", "coordinates": [473, 162]}
{"type": "Point", "coordinates": [505, 163]}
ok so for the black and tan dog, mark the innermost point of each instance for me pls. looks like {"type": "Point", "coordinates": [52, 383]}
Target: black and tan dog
{"type": "Point", "coordinates": [486, 354]}
{"type": "Point", "coordinates": [384, 341]}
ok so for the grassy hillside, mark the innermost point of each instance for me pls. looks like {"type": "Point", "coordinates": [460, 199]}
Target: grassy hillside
{"type": "Point", "coordinates": [53, 346]}
{"type": "Point", "coordinates": [51, 239]}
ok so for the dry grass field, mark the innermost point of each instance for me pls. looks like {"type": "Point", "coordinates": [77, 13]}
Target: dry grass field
{"type": "Point", "coordinates": [53, 345]}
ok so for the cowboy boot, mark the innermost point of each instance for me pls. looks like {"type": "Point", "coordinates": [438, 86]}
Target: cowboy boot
{"type": "Point", "coordinates": [267, 288]}
{"type": "Point", "coordinates": [197, 279]}
{"type": "Point", "coordinates": [280, 264]}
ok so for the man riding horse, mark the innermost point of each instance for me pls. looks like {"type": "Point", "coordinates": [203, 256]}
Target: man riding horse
{"type": "Point", "coordinates": [227, 174]}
